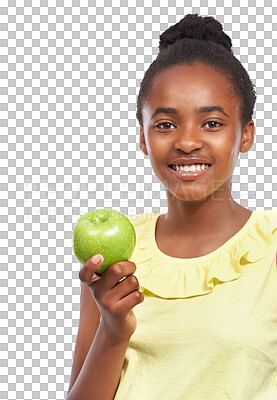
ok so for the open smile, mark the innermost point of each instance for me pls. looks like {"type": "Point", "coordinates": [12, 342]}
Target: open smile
{"type": "Point", "coordinates": [188, 175]}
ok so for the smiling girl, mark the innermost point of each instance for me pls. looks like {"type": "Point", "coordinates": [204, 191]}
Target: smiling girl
{"type": "Point", "coordinates": [198, 320]}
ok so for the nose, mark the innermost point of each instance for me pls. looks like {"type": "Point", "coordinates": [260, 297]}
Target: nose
{"type": "Point", "coordinates": [188, 138]}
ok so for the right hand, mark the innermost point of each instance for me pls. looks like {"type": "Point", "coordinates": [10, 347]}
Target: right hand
{"type": "Point", "coordinates": [115, 298]}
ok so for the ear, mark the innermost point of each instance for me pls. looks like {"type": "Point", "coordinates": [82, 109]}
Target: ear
{"type": "Point", "coordinates": [247, 137]}
{"type": "Point", "coordinates": [142, 143]}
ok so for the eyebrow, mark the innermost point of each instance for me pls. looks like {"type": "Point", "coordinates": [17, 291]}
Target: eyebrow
{"type": "Point", "coordinates": [205, 109]}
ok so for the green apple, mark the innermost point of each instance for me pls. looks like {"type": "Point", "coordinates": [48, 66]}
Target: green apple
{"type": "Point", "coordinates": [106, 232]}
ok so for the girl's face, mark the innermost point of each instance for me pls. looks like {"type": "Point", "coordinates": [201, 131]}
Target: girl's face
{"type": "Point", "coordinates": [186, 131]}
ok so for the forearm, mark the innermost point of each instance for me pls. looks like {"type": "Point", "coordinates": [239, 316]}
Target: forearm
{"type": "Point", "coordinates": [100, 374]}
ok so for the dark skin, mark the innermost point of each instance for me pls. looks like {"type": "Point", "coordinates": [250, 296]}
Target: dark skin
{"type": "Point", "coordinates": [202, 215]}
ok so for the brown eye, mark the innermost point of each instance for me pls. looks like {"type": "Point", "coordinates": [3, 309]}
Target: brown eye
{"type": "Point", "coordinates": [164, 125]}
{"type": "Point", "coordinates": [213, 124]}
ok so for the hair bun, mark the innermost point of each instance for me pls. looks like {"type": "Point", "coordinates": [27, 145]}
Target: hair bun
{"type": "Point", "coordinates": [193, 26]}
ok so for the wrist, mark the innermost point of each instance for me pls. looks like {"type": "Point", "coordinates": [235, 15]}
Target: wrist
{"type": "Point", "coordinates": [112, 336]}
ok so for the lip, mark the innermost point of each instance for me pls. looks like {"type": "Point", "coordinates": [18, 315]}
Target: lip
{"type": "Point", "coordinates": [189, 176]}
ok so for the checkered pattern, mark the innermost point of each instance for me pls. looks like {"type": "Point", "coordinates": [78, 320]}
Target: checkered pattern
{"type": "Point", "coordinates": [69, 77]}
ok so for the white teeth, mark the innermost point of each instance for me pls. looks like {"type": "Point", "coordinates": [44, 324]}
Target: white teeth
{"type": "Point", "coordinates": [192, 168]}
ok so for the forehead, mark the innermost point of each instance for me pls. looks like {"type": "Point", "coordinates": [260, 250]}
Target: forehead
{"type": "Point", "coordinates": [191, 83]}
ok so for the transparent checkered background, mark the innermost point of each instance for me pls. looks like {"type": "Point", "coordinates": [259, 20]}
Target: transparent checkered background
{"type": "Point", "coordinates": [69, 77]}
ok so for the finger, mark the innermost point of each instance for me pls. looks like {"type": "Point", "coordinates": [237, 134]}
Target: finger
{"type": "Point", "coordinates": [125, 287]}
{"type": "Point", "coordinates": [87, 272]}
{"type": "Point", "coordinates": [116, 272]}
{"type": "Point", "coordinates": [128, 302]}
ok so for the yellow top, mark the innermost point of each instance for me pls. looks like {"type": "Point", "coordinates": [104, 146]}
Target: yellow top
{"type": "Point", "coordinates": [207, 328]}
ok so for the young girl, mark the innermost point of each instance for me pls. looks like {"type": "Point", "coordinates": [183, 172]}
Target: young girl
{"type": "Point", "coordinates": [193, 314]}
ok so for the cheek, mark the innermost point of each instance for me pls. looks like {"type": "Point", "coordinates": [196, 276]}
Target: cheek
{"type": "Point", "coordinates": [228, 151]}
{"type": "Point", "coordinates": [156, 148]}
{"type": "Point", "coordinates": [232, 155]}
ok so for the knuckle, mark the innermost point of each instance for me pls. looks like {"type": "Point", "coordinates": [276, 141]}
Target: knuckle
{"type": "Point", "coordinates": [122, 268]}
{"type": "Point", "coordinates": [133, 265]}
{"type": "Point", "coordinates": [138, 296]}
{"type": "Point", "coordinates": [134, 281]}
{"type": "Point", "coordinates": [116, 270]}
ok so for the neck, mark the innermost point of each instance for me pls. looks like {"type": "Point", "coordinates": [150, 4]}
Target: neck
{"type": "Point", "coordinates": [203, 218]}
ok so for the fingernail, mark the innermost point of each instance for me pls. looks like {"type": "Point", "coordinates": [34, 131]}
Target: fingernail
{"type": "Point", "coordinates": [95, 259]}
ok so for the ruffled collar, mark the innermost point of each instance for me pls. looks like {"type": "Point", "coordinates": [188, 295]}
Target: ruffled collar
{"type": "Point", "coordinates": [170, 277]}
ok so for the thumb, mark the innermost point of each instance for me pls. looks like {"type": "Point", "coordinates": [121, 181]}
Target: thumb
{"type": "Point", "coordinates": [87, 272]}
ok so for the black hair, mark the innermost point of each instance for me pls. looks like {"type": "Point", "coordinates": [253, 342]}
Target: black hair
{"type": "Point", "coordinates": [201, 39]}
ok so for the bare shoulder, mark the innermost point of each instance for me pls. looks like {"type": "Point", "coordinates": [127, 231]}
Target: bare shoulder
{"type": "Point", "coordinates": [88, 325]}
